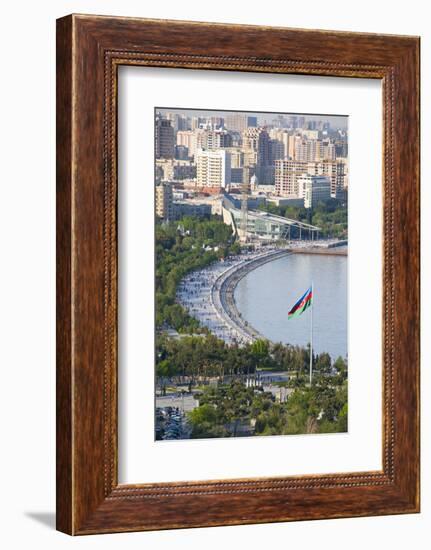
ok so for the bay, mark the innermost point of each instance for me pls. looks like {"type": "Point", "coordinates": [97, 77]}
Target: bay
{"type": "Point", "coordinates": [266, 294]}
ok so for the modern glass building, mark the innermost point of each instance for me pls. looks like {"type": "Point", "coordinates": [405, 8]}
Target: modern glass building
{"type": "Point", "coordinates": [265, 226]}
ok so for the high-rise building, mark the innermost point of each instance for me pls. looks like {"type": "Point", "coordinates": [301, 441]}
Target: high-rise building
{"type": "Point", "coordinates": [314, 189]}
{"type": "Point", "coordinates": [283, 136]}
{"type": "Point", "coordinates": [181, 122]}
{"type": "Point", "coordinates": [276, 150]}
{"type": "Point", "coordinates": [341, 149]}
{"type": "Point", "coordinates": [287, 173]}
{"type": "Point", "coordinates": [189, 138]}
{"type": "Point", "coordinates": [216, 139]}
{"type": "Point", "coordinates": [342, 176]}
{"type": "Point", "coordinates": [250, 158]}
{"type": "Point", "coordinates": [236, 175]}
{"type": "Point", "coordinates": [330, 168]}
{"type": "Point", "coordinates": [264, 149]}
{"type": "Point", "coordinates": [181, 152]}
{"type": "Point", "coordinates": [308, 150]}
{"type": "Point", "coordinates": [164, 138]}
{"type": "Point", "coordinates": [293, 139]}
{"type": "Point", "coordinates": [250, 139]}
{"type": "Point", "coordinates": [213, 168]}
{"type": "Point", "coordinates": [281, 121]}
{"type": "Point", "coordinates": [178, 121]}
{"type": "Point", "coordinates": [217, 122]}
{"type": "Point", "coordinates": [293, 121]}
{"type": "Point", "coordinates": [236, 157]}
{"type": "Point", "coordinates": [258, 140]}
{"type": "Point", "coordinates": [258, 151]}
{"type": "Point", "coordinates": [328, 150]}
{"type": "Point", "coordinates": [266, 174]}
{"type": "Point", "coordinates": [238, 122]}
{"type": "Point", "coordinates": [164, 201]}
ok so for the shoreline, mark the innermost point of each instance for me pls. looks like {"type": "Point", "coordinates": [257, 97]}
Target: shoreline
{"type": "Point", "coordinates": [208, 294]}
{"type": "Point", "coordinates": [226, 290]}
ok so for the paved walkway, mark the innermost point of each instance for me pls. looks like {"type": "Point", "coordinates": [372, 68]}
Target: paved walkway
{"type": "Point", "coordinates": [196, 294]}
{"type": "Point", "coordinates": [207, 294]}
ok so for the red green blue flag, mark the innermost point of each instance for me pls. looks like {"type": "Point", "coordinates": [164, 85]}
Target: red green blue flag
{"type": "Point", "coordinates": [302, 304]}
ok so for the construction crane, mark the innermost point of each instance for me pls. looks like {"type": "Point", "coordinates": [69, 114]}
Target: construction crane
{"type": "Point", "coordinates": [244, 210]}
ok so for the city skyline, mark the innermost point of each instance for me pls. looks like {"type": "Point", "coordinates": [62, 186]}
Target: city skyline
{"type": "Point", "coordinates": [292, 159]}
{"type": "Point", "coordinates": [263, 116]}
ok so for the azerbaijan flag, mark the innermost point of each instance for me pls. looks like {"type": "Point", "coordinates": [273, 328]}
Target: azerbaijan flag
{"type": "Point", "coordinates": [302, 304]}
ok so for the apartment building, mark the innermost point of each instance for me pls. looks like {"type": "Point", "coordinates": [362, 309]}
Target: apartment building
{"type": "Point", "coordinates": [213, 168]}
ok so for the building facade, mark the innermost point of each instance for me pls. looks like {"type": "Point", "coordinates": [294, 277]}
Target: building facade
{"type": "Point", "coordinates": [287, 173]}
{"type": "Point", "coordinates": [314, 189]}
{"type": "Point", "coordinates": [164, 202]}
{"type": "Point", "coordinates": [188, 138]}
{"type": "Point", "coordinates": [238, 122]}
{"type": "Point", "coordinates": [213, 168]}
{"type": "Point", "coordinates": [164, 138]}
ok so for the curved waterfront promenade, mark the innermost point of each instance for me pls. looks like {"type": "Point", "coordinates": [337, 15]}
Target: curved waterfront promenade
{"type": "Point", "coordinates": [224, 288]}
{"type": "Point", "coordinates": [208, 294]}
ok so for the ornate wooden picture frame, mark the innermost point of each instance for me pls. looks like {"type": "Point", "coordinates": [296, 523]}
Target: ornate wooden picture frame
{"type": "Point", "coordinates": [89, 51]}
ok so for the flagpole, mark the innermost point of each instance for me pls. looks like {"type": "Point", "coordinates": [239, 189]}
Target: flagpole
{"type": "Point", "coordinates": [311, 333]}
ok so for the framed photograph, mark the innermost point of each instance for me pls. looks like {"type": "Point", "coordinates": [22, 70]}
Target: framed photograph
{"type": "Point", "coordinates": [237, 274]}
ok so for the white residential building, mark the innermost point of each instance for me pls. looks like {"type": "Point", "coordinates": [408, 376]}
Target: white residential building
{"type": "Point", "coordinates": [287, 173]}
{"type": "Point", "coordinates": [213, 168]}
